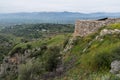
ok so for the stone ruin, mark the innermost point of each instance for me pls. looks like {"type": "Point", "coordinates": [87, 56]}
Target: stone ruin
{"type": "Point", "coordinates": [85, 27]}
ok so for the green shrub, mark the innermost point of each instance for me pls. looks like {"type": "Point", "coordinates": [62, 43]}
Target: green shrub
{"type": "Point", "coordinates": [29, 46]}
{"type": "Point", "coordinates": [114, 26]}
{"type": "Point", "coordinates": [43, 47]}
{"type": "Point", "coordinates": [52, 58]}
{"type": "Point", "coordinates": [65, 42]}
{"type": "Point", "coordinates": [101, 57]}
{"type": "Point", "coordinates": [116, 54]}
{"type": "Point", "coordinates": [16, 50]}
{"type": "Point", "coordinates": [102, 61]}
{"type": "Point", "coordinates": [30, 71]}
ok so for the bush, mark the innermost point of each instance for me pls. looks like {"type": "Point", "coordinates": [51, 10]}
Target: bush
{"type": "Point", "coordinates": [29, 46]}
{"type": "Point", "coordinates": [52, 58]}
{"type": "Point", "coordinates": [116, 54]}
{"type": "Point", "coordinates": [101, 57]}
{"type": "Point", "coordinates": [65, 42]}
{"type": "Point", "coordinates": [16, 50]}
{"type": "Point", "coordinates": [43, 47]}
{"type": "Point", "coordinates": [102, 61]}
{"type": "Point", "coordinates": [30, 71]}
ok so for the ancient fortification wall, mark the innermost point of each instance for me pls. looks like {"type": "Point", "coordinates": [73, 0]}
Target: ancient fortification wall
{"type": "Point", "coordinates": [85, 27]}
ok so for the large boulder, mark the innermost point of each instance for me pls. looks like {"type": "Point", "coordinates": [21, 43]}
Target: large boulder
{"type": "Point", "coordinates": [115, 67]}
{"type": "Point", "coordinates": [109, 31]}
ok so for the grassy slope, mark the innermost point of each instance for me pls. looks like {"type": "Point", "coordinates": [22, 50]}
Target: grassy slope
{"type": "Point", "coordinates": [94, 64]}
{"type": "Point", "coordinates": [56, 40]}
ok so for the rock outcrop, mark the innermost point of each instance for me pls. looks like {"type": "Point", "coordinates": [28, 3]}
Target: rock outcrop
{"type": "Point", "coordinates": [108, 31]}
{"type": "Point", "coordinates": [115, 68]}
{"type": "Point", "coordinates": [85, 27]}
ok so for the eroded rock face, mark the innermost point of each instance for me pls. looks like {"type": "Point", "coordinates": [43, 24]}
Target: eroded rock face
{"type": "Point", "coordinates": [115, 67]}
{"type": "Point", "coordinates": [86, 27]}
{"type": "Point", "coordinates": [108, 31]}
{"type": "Point", "coordinates": [83, 28]}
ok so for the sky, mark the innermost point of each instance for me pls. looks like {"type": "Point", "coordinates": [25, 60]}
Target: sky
{"type": "Point", "coordinates": [84, 6]}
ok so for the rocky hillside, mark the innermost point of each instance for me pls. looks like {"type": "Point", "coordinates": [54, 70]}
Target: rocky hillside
{"type": "Point", "coordinates": [90, 57]}
{"type": "Point", "coordinates": [64, 57]}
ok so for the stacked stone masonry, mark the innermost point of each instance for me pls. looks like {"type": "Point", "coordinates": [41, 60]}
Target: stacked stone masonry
{"type": "Point", "coordinates": [86, 27]}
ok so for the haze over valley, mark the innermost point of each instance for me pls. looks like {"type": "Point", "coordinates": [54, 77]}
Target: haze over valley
{"type": "Point", "coordinates": [51, 17]}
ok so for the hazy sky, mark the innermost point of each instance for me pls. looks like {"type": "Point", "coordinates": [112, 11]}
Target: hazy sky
{"type": "Point", "coordinates": [86, 6]}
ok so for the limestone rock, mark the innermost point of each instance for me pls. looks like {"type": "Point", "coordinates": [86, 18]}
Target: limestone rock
{"type": "Point", "coordinates": [115, 67]}
{"type": "Point", "coordinates": [86, 27]}
{"type": "Point", "coordinates": [109, 31]}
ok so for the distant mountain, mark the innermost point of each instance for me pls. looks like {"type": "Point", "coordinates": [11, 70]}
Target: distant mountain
{"type": "Point", "coordinates": [51, 17]}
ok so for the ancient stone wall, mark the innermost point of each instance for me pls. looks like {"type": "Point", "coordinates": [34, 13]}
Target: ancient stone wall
{"type": "Point", "coordinates": [85, 27]}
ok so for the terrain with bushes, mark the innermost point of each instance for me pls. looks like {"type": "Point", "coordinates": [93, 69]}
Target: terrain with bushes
{"type": "Point", "coordinates": [50, 52]}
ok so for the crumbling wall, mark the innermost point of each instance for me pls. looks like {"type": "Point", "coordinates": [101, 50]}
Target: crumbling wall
{"type": "Point", "coordinates": [85, 27]}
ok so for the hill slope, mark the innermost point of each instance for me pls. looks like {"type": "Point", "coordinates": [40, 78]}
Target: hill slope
{"type": "Point", "coordinates": [64, 57]}
{"type": "Point", "coordinates": [90, 57]}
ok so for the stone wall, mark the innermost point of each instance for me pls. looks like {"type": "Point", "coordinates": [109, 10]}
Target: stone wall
{"type": "Point", "coordinates": [85, 27]}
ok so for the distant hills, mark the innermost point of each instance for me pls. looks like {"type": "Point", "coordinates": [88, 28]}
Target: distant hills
{"type": "Point", "coordinates": [51, 17]}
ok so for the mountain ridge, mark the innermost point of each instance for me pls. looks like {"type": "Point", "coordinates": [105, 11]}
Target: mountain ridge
{"type": "Point", "coordinates": [51, 17]}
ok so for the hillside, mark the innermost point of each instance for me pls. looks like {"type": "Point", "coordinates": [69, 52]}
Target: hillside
{"type": "Point", "coordinates": [64, 57]}
{"type": "Point", "coordinates": [14, 35]}
{"type": "Point", "coordinates": [37, 31]}
{"type": "Point", "coordinates": [90, 57]}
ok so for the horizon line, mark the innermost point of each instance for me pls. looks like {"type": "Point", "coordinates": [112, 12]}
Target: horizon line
{"type": "Point", "coordinates": [55, 11]}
